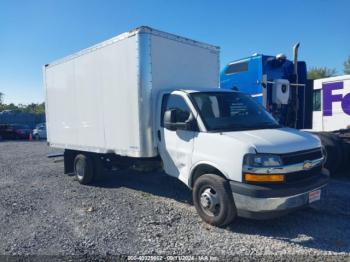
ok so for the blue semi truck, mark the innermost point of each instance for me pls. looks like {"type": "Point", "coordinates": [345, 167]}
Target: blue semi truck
{"type": "Point", "coordinates": [279, 84]}
{"type": "Point", "coordinates": [282, 87]}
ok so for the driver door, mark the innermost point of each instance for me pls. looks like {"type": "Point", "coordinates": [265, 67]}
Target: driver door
{"type": "Point", "coordinates": [176, 147]}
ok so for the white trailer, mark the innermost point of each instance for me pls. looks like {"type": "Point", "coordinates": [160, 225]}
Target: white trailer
{"type": "Point", "coordinates": [147, 96]}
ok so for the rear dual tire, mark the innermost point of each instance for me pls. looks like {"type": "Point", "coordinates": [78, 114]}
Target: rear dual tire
{"type": "Point", "coordinates": [213, 200]}
{"type": "Point", "coordinates": [88, 168]}
{"type": "Point", "coordinates": [84, 169]}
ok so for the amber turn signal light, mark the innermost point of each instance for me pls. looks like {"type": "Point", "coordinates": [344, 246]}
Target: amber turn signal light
{"type": "Point", "coordinates": [263, 178]}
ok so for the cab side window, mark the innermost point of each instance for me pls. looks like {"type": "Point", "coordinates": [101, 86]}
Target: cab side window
{"type": "Point", "coordinates": [178, 103]}
{"type": "Point", "coordinates": [237, 68]}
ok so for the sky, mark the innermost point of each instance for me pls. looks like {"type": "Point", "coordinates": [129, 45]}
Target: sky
{"type": "Point", "coordinates": [37, 32]}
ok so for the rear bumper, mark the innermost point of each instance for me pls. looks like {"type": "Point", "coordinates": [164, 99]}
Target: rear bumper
{"type": "Point", "coordinates": [263, 202]}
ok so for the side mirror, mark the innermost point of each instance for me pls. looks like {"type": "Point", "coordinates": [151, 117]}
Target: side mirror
{"type": "Point", "coordinates": [170, 121]}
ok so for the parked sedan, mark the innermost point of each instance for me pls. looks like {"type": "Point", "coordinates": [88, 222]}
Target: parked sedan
{"type": "Point", "coordinates": [14, 131]}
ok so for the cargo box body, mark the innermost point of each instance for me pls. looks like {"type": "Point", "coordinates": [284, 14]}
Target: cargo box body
{"type": "Point", "coordinates": [103, 99]}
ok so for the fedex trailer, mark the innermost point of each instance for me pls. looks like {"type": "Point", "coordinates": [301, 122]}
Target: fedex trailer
{"type": "Point", "coordinates": [149, 98]}
{"type": "Point", "coordinates": [331, 119]}
{"type": "Point", "coordinates": [331, 103]}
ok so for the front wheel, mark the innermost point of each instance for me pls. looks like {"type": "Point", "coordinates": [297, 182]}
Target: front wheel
{"type": "Point", "coordinates": [213, 200]}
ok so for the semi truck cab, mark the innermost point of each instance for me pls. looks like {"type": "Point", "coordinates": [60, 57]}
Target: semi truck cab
{"type": "Point", "coordinates": [235, 156]}
{"type": "Point", "coordinates": [277, 83]}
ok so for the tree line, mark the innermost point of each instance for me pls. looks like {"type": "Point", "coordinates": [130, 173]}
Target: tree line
{"type": "Point", "coordinates": [34, 108]}
{"type": "Point", "coordinates": [323, 72]}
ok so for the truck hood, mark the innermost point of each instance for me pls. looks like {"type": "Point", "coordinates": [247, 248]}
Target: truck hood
{"type": "Point", "coordinates": [276, 141]}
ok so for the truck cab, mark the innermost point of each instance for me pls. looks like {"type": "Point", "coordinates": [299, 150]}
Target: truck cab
{"type": "Point", "coordinates": [235, 156]}
{"type": "Point", "coordinates": [277, 83]}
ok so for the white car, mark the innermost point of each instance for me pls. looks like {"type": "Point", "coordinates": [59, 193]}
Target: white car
{"type": "Point", "coordinates": [39, 132]}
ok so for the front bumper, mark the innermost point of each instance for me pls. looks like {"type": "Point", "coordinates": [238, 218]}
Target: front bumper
{"type": "Point", "coordinates": [268, 201]}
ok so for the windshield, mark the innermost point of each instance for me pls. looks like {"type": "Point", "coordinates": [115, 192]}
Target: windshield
{"type": "Point", "coordinates": [232, 111]}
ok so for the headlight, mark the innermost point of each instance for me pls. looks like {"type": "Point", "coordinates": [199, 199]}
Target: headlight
{"type": "Point", "coordinates": [262, 160]}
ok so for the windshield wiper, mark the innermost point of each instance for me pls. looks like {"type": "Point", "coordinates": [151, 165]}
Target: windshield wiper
{"type": "Point", "coordinates": [236, 128]}
{"type": "Point", "coordinates": [262, 125]}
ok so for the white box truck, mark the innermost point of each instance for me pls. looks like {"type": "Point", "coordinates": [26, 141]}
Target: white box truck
{"type": "Point", "coordinates": [149, 96]}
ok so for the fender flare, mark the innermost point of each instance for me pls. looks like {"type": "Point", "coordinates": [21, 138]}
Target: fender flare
{"type": "Point", "coordinates": [204, 163]}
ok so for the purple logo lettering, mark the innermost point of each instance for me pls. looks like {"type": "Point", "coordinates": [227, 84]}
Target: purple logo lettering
{"type": "Point", "coordinates": [329, 98]}
{"type": "Point", "coordinates": [346, 104]}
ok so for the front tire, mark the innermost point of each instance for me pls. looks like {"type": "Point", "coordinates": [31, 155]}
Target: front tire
{"type": "Point", "coordinates": [212, 197]}
{"type": "Point", "coordinates": [84, 169]}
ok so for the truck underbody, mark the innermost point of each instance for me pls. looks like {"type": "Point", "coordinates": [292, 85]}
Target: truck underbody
{"type": "Point", "coordinates": [102, 162]}
{"type": "Point", "coordinates": [337, 147]}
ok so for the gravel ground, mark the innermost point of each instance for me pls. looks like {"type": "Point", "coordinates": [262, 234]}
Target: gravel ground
{"type": "Point", "coordinates": [44, 212]}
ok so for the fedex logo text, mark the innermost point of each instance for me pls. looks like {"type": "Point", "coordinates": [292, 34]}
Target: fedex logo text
{"type": "Point", "coordinates": [329, 98]}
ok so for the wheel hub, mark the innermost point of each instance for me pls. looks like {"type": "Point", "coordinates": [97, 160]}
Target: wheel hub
{"type": "Point", "coordinates": [205, 201]}
{"type": "Point", "coordinates": [209, 200]}
{"type": "Point", "coordinates": [80, 169]}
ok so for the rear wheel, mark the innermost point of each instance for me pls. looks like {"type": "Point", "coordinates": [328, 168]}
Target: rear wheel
{"type": "Point", "coordinates": [84, 169]}
{"type": "Point", "coordinates": [213, 200]}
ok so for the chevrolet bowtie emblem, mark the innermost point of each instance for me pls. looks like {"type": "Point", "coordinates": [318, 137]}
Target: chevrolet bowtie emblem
{"type": "Point", "coordinates": [307, 165]}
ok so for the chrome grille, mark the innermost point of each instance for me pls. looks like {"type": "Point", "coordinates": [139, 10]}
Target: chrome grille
{"type": "Point", "coordinates": [301, 156]}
